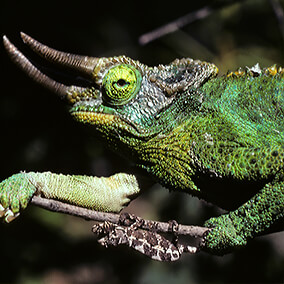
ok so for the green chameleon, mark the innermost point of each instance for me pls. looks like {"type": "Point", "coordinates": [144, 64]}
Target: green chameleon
{"type": "Point", "coordinates": [218, 138]}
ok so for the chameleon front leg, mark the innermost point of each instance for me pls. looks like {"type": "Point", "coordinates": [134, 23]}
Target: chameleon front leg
{"type": "Point", "coordinates": [234, 229]}
{"type": "Point", "coordinates": [103, 194]}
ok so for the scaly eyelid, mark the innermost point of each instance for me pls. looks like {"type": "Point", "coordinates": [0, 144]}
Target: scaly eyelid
{"type": "Point", "coordinates": [121, 83]}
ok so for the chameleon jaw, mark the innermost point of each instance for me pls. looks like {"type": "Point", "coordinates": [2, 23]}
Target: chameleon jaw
{"type": "Point", "coordinates": [94, 118]}
{"type": "Point", "coordinates": [92, 112]}
{"type": "Point", "coordinates": [107, 122]}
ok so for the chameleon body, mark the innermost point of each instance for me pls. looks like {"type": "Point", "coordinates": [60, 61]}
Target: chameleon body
{"type": "Point", "coordinates": [217, 138]}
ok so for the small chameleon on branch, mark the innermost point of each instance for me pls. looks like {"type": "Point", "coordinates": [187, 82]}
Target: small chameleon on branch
{"type": "Point", "coordinates": [218, 138]}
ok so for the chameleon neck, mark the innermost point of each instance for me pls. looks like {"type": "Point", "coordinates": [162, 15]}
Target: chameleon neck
{"type": "Point", "coordinates": [138, 145]}
{"type": "Point", "coordinates": [218, 134]}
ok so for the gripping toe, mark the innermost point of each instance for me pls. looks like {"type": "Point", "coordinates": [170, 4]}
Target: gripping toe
{"type": "Point", "coordinates": [10, 216]}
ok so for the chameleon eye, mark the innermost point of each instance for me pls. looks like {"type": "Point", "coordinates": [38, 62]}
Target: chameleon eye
{"type": "Point", "coordinates": [121, 84]}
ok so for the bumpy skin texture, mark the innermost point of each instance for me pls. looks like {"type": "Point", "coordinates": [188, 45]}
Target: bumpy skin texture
{"type": "Point", "coordinates": [101, 194]}
{"type": "Point", "coordinates": [218, 138]}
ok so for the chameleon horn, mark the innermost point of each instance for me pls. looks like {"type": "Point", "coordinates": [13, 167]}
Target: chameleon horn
{"type": "Point", "coordinates": [20, 60]}
{"type": "Point", "coordinates": [83, 64]}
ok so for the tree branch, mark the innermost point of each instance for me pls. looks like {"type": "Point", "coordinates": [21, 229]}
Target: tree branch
{"type": "Point", "coordinates": [127, 229]}
{"type": "Point", "coordinates": [160, 227]}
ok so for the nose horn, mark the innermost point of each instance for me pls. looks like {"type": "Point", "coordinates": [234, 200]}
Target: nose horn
{"type": "Point", "coordinates": [19, 59]}
{"type": "Point", "coordinates": [80, 63]}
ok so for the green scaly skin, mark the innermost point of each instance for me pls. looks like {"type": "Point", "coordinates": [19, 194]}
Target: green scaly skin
{"type": "Point", "coordinates": [101, 194]}
{"type": "Point", "coordinates": [218, 138]}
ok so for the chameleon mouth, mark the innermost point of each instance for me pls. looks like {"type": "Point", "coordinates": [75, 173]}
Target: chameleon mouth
{"type": "Point", "coordinates": [94, 118]}
{"type": "Point", "coordinates": [92, 107]}
{"type": "Point", "coordinates": [105, 117]}
{"type": "Point", "coordinates": [92, 113]}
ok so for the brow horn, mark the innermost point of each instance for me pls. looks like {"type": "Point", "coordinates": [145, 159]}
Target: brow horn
{"type": "Point", "coordinates": [20, 60]}
{"type": "Point", "coordinates": [83, 64]}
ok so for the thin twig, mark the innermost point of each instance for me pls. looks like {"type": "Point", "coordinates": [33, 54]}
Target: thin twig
{"type": "Point", "coordinates": [175, 25]}
{"type": "Point", "coordinates": [160, 227]}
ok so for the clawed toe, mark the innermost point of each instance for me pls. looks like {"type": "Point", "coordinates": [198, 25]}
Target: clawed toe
{"type": "Point", "coordinates": [10, 216]}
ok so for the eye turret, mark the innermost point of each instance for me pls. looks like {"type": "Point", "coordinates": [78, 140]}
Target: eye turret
{"type": "Point", "coordinates": [121, 84]}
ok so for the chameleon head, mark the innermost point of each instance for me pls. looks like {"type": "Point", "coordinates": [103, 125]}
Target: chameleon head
{"type": "Point", "coordinates": [123, 98]}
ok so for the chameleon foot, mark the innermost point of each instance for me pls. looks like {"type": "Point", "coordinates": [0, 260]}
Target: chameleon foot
{"type": "Point", "coordinates": [224, 236]}
{"type": "Point", "coordinates": [15, 194]}
{"type": "Point", "coordinates": [10, 216]}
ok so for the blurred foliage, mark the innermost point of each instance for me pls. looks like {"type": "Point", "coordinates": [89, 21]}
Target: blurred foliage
{"type": "Point", "coordinates": [38, 134]}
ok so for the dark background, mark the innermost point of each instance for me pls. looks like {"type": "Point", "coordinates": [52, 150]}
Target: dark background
{"type": "Point", "coordinates": [37, 133]}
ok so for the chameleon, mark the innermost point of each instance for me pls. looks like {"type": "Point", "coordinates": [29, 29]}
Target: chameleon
{"type": "Point", "coordinates": [219, 138]}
